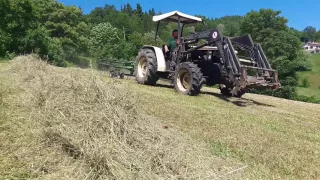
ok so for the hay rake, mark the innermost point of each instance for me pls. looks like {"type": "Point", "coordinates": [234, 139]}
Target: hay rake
{"type": "Point", "coordinates": [117, 68]}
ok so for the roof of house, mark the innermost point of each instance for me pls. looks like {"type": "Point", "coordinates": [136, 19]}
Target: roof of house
{"type": "Point", "coordinates": [312, 44]}
{"type": "Point", "coordinates": [173, 16]}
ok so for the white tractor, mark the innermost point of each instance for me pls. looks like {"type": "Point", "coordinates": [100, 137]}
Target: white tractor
{"type": "Point", "coordinates": [216, 61]}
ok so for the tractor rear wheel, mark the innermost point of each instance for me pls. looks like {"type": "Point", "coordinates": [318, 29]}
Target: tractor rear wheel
{"type": "Point", "coordinates": [146, 67]}
{"type": "Point", "coordinates": [188, 79]}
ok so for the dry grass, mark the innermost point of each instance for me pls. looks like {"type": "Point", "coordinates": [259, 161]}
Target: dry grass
{"type": "Point", "coordinates": [70, 124]}
{"type": "Point", "coordinates": [276, 138]}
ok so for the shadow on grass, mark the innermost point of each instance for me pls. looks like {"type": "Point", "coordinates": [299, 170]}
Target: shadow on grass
{"type": "Point", "coordinates": [165, 86]}
{"type": "Point", "coordinates": [241, 102]}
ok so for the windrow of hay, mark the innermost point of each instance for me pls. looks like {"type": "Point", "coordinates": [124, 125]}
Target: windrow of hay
{"type": "Point", "coordinates": [72, 124]}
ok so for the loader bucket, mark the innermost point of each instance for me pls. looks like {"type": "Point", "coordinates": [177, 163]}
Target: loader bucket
{"type": "Point", "coordinates": [267, 81]}
{"type": "Point", "coordinates": [250, 64]}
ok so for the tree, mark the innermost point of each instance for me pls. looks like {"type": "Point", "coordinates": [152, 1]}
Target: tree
{"type": "Point", "coordinates": [66, 24]}
{"type": "Point", "coordinates": [16, 17]}
{"type": "Point", "coordinates": [138, 10]}
{"type": "Point", "coordinates": [127, 9]}
{"type": "Point", "coordinates": [106, 42]}
{"type": "Point", "coordinates": [152, 12]}
{"type": "Point", "coordinates": [298, 34]}
{"type": "Point", "coordinates": [260, 24]}
{"type": "Point", "coordinates": [281, 45]}
{"type": "Point", "coordinates": [318, 36]}
{"type": "Point", "coordinates": [310, 33]}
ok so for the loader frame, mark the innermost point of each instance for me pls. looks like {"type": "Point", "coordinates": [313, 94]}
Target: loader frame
{"type": "Point", "coordinates": [231, 62]}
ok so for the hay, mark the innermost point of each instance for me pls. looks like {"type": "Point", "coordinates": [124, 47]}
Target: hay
{"type": "Point", "coordinates": [72, 124]}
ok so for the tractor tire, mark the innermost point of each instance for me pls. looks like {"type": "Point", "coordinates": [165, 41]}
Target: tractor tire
{"type": "Point", "coordinates": [227, 92]}
{"type": "Point", "coordinates": [240, 94]}
{"type": "Point", "coordinates": [146, 67]}
{"type": "Point", "coordinates": [121, 76]}
{"type": "Point", "coordinates": [188, 79]}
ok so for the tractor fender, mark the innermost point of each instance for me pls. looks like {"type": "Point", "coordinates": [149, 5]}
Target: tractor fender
{"type": "Point", "coordinates": [161, 62]}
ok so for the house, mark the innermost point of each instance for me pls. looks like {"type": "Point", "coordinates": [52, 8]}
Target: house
{"type": "Point", "coordinates": [312, 47]}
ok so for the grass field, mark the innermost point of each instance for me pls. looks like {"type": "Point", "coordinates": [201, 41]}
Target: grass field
{"type": "Point", "coordinates": [76, 124]}
{"type": "Point", "coordinates": [3, 63]}
{"type": "Point", "coordinates": [313, 77]}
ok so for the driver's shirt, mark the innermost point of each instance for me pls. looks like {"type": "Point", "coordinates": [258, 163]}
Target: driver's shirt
{"type": "Point", "coordinates": [172, 44]}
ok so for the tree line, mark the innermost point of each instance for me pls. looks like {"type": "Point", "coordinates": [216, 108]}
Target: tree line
{"type": "Point", "coordinates": [66, 36]}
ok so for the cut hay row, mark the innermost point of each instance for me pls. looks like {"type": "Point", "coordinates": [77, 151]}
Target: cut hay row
{"type": "Point", "coordinates": [61, 123]}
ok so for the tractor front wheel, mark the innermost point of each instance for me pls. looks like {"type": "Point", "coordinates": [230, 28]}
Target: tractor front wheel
{"type": "Point", "coordinates": [227, 92]}
{"type": "Point", "coordinates": [188, 78]}
{"type": "Point", "coordinates": [146, 67]}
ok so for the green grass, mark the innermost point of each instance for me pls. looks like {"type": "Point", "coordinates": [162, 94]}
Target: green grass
{"type": "Point", "coordinates": [312, 76]}
{"type": "Point", "coordinates": [3, 63]}
{"type": "Point", "coordinates": [273, 138]}
{"type": "Point", "coordinates": [309, 91]}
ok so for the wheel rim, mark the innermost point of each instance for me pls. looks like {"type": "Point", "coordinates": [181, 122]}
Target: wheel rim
{"type": "Point", "coordinates": [142, 67]}
{"type": "Point", "coordinates": [183, 80]}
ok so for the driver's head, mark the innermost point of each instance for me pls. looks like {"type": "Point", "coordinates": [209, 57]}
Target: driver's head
{"type": "Point", "coordinates": [175, 34]}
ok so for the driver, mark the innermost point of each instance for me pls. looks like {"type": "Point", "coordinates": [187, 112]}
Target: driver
{"type": "Point", "coordinates": [172, 42]}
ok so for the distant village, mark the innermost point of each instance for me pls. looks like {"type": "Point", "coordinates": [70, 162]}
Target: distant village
{"type": "Point", "coordinates": [312, 47]}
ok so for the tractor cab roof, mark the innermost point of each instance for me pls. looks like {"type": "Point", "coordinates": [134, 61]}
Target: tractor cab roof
{"type": "Point", "coordinates": [174, 15]}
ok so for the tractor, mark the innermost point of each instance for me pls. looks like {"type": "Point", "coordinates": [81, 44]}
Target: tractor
{"type": "Point", "coordinates": [234, 64]}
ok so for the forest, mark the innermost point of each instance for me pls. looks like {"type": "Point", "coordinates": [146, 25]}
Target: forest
{"type": "Point", "coordinates": [65, 36]}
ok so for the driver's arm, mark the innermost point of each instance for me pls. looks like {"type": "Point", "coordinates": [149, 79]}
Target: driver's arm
{"type": "Point", "coordinates": [166, 49]}
{"type": "Point", "coordinates": [166, 46]}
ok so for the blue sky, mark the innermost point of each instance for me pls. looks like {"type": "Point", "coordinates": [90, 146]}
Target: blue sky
{"type": "Point", "coordinates": [299, 13]}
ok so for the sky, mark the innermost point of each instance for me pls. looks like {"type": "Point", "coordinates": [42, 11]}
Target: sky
{"type": "Point", "coordinates": [299, 13]}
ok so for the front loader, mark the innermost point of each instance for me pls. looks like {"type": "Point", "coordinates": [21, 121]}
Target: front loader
{"type": "Point", "coordinates": [235, 64]}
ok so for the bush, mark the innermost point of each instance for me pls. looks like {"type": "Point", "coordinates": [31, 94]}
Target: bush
{"type": "Point", "coordinates": [286, 92]}
{"type": "Point", "coordinates": [310, 99]}
{"type": "Point", "coordinates": [10, 55]}
{"type": "Point", "coordinates": [305, 83]}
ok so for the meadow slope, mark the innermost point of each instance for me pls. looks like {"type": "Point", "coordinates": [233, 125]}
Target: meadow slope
{"type": "Point", "coordinates": [74, 123]}
{"type": "Point", "coordinates": [312, 77]}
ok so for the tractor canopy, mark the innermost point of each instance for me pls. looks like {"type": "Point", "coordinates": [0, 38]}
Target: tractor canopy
{"type": "Point", "coordinates": [177, 17]}
{"type": "Point", "coordinates": [174, 17]}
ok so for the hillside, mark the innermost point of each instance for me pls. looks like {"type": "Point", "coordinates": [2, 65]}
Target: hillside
{"type": "Point", "coordinates": [313, 78]}
{"type": "Point", "coordinates": [68, 37]}
{"type": "Point", "coordinates": [59, 123]}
